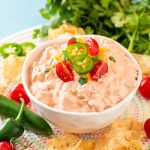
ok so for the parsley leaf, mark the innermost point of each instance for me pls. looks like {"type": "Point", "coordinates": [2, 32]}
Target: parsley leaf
{"type": "Point", "coordinates": [65, 55]}
{"type": "Point", "coordinates": [112, 58]}
{"type": "Point", "coordinates": [35, 33]}
{"type": "Point", "coordinates": [47, 70]}
{"type": "Point", "coordinates": [96, 58]}
{"type": "Point", "coordinates": [83, 80]}
{"type": "Point", "coordinates": [42, 33]}
{"type": "Point", "coordinates": [126, 21]}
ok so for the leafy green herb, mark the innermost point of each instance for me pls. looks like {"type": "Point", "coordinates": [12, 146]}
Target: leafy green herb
{"type": "Point", "coordinates": [35, 33]}
{"type": "Point", "coordinates": [83, 80]}
{"type": "Point", "coordinates": [75, 39]}
{"type": "Point", "coordinates": [127, 21]}
{"type": "Point", "coordinates": [47, 70]}
{"type": "Point", "coordinates": [96, 58]}
{"type": "Point", "coordinates": [112, 58]}
{"type": "Point", "coordinates": [89, 30]}
{"type": "Point", "coordinates": [65, 55]}
{"type": "Point", "coordinates": [42, 33]}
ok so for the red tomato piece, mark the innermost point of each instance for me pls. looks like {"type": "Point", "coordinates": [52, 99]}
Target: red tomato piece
{"type": "Point", "coordinates": [99, 70]}
{"type": "Point", "coordinates": [147, 127]}
{"type": "Point", "coordinates": [72, 41]}
{"type": "Point", "coordinates": [144, 88]}
{"type": "Point", "coordinates": [64, 71]}
{"type": "Point", "coordinates": [6, 146]}
{"type": "Point", "coordinates": [93, 46]}
{"type": "Point", "coordinates": [18, 92]}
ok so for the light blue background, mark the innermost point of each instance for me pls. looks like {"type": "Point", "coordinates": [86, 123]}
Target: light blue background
{"type": "Point", "coordinates": [16, 15]}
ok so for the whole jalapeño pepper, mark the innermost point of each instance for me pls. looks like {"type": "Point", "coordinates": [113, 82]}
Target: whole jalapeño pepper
{"type": "Point", "coordinates": [12, 128]}
{"type": "Point", "coordinates": [30, 120]}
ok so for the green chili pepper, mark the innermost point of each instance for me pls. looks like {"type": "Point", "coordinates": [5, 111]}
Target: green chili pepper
{"type": "Point", "coordinates": [12, 128]}
{"type": "Point", "coordinates": [77, 50]}
{"type": "Point", "coordinates": [83, 66]}
{"type": "Point", "coordinates": [27, 47]}
{"type": "Point", "coordinates": [30, 120]}
{"type": "Point", "coordinates": [11, 48]}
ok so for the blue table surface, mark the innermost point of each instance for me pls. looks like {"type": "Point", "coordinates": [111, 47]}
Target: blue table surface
{"type": "Point", "coordinates": [16, 15]}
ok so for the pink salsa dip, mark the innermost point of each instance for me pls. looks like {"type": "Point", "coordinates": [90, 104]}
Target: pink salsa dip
{"type": "Point", "coordinates": [94, 96]}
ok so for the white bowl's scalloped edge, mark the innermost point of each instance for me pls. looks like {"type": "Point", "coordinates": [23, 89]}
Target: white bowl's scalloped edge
{"type": "Point", "coordinates": [28, 30]}
{"type": "Point", "coordinates": [40, 104]}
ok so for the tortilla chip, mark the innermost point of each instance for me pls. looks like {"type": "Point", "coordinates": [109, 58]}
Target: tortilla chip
{"type": "Point", "coordinates": [144, 62]}
{"type": "Point", "coordinates": [63, 142]}
{"type": "Point", "coordinates": [64, 29]}
{"type": "Point", "coordinates": [84, 145]}
{"type": "Point", "coordinates": [69, 141]}
{"type": "Point", "coordinates": [10, 72]}
{"type": "Point", "coordinates": [124, 134]}
{"type": "Point", "coordinates": [12, 67]}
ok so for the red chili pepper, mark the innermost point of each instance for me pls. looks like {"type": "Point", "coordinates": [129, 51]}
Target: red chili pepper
{"type": "Point", "coordinates": [18, 92]}
{"type": "Point", "coordinates": [64, 71]}
{"type": "Point", "coordinates": [6, 146]}
{"type": "Point", "coordinates": [100, 69]}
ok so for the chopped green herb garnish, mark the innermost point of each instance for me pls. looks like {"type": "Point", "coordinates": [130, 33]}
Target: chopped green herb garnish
{"type": "Point", "coordinates": [35, 33]}
{"type": "Point", "coordinates": [44, 31]}
{"type": "Point", "coordinates": [96, 58]}
{"type": "Point", "coordinates": [112, 58]}
{"type": "Point", "coordinates": [83, 80]}
{"type": "Point", "coordinates": [47, 70]}
{"type": "Point", "coordinates": [75, 39]}
{"type": "Point", "coordinates": [64, 55]}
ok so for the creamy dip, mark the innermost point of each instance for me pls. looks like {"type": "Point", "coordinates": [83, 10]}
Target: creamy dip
{"type": "Point", "coordinates": [94, 96]}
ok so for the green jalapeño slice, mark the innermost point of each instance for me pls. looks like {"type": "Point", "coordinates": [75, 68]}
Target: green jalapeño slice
{"type": "Point", "coordinates": [27, 47]}
{"type": "Point", "coordinates": [77, 50]}
{"type": "Point", "coordinates": [11, 48]}
{"type": "Point", "coordinates": [83, 66]}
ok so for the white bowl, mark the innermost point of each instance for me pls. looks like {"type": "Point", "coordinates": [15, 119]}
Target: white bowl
{"type": "Point", "coordinates": [77, 122]}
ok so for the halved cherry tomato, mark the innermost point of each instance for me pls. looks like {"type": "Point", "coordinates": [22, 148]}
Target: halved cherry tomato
{"type": "Point", "coordinates": [144, 88]}
{"type": "Point", "coordinates": [92, 46]}
{"type": "Point", "coordinates": [100, 69]}
{"type": "Point", "coordinates": [64, 71]}
{"type": "Point", "coordinates": [6, 146]}
{"type": "Point", "coordinates": [18, 92]}
{"type": "Point", "coordinates": [147, 127]}
{"type": "Point", "coordinates": [72, 41]}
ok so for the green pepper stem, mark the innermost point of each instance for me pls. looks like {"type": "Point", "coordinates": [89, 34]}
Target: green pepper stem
{"type": "Point", "coordinates": [21, 110]}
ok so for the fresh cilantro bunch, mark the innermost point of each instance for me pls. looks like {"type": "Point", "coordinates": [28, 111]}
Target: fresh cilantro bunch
{"type": "Point", "coordinates": [127, 21]}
